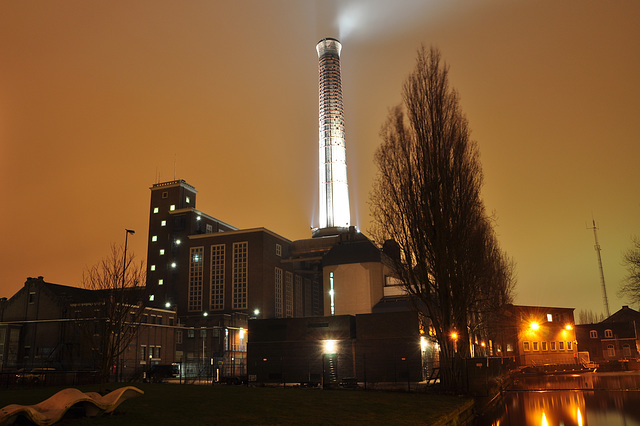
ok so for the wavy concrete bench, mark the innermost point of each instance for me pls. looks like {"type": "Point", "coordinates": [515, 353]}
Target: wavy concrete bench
{"type": "Point", "coordinates": [52, 409]}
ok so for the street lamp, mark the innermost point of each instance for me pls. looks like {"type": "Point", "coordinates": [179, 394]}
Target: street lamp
{"type": "Point", "coordinates": [124, 270]}
{"type": "Point", "coordinates": [124, 263]}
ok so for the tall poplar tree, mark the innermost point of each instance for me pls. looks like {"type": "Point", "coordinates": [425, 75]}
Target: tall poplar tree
{"type": "Point", "coordinates": [427, 201]}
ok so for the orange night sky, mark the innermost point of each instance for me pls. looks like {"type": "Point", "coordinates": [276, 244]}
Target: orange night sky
{"type": "Point", "coordinates": [99, 99]}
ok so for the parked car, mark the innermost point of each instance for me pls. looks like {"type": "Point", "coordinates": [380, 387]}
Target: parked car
{"type": "Point", "coordinates": [33, 376]}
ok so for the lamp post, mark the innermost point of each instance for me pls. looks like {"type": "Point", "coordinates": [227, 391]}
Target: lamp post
{"type": "Point", "coordinates": [124, 270]}
{"type": "Point", "coordinates": [124, 263]}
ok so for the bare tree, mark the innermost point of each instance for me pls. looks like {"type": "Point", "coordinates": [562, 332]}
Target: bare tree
{"type": "Point", "coordinates": [631, 285]}
{"type": "Point", "coordinates": [117, 308]}
{"type": "Point", "coordinates": [426, 198]}
{"type": "Point", "coordinates": [589, 317]}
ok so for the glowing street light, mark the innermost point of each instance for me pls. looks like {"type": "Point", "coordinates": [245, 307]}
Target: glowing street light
{"type": "Point", "coordinates": [534, 325]}
{"type": "Point", "coordinates": [330, 347]}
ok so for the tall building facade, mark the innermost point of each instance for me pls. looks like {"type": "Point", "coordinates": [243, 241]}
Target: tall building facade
{"type": "Point", "coordinates": [202, 266]}
{"type": "Point", "coordinates": [334, 210]}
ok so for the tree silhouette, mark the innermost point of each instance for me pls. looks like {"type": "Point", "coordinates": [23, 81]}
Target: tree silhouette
{"type": "Point", "coordinates": [426, 199]}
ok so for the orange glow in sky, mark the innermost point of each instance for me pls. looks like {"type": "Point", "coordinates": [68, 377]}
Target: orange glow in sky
{"type": "Point", "coordinates": [98, 100]}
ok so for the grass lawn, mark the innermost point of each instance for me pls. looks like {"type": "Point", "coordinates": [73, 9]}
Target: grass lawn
{"type": "Point", "coordinates": [173, 404]}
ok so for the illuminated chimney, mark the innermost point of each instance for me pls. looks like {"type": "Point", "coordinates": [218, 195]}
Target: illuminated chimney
{"type": "Point", "coordinates": [334, 190]}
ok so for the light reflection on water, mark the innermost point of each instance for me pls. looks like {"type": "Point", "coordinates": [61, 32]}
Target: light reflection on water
{"type": "Point", "coordinates": [586, 399]}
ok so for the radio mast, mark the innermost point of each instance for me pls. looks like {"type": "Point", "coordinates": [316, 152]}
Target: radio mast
{"type": "Point", "coordinates": [604, 288]}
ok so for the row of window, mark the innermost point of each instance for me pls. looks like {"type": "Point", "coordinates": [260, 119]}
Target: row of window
{"type": "Point", "coordinates": [546, 346]}
{"type": "Point", "coordinates": [608, 334]}
{"type": "Point", "coordinates": [239, 277]}
{"type": "Point", "coordinates": [154, 352]}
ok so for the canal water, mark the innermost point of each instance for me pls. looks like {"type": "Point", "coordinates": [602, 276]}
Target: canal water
{"type": "Point", "coordinates": [593, 399]}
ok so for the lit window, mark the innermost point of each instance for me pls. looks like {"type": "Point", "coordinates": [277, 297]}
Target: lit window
{"type": "Point", "coordinates": [188, 200]}
{"type": "Point", "coordinates": [153, 267]}
{"type": "Point", "coordinates": [173, 207]}
{"type": "Point", "coordinates": [151, 297]}
{"type": "Point", "coordinates": [163, 223]}
{"type": "Point", "coordinates": [593, 334]}
{"type": "Point", "coordinates": [549, 318]}
{"type": "Point", "coordinates": [154, 238]}
{"type": "Point", "coordinates": [160, 281]}
{"type": "Point", "coordinates": [608, 334]}
{"type": "Point", "coordinates": [156, 210]}
{"type": "Point", "coordinates": [161, 252]}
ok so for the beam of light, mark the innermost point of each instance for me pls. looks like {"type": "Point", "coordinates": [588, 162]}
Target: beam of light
{"type": "Point", "coordinates": [349, 18]}
{"type": "Point", "coordinates": [544, 420]}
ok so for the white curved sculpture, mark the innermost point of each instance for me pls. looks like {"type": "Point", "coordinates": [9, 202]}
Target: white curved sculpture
{"type": "Point", "coordinates": [52, 409]}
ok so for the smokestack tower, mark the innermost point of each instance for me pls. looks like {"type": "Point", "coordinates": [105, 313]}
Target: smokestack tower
{"type": "Point", "coordinates": [334, 190]}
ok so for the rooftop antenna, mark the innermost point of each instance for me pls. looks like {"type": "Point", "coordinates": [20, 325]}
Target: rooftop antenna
{"type": "Point", "coordinates": [604, 288]}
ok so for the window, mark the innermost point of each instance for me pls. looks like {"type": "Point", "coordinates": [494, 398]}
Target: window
{"type": "Point", "coordinates": [593, 334]}
{"type": "Point", "coordinates": [160, 281]}
{"type": "Point", "coordinates": [163, 223]}
{"type": "Point", "coordinates": [32, 297]}
{"type": "Point", "coordinates": [626, 350]}
{"type": "Point", "coordinates": [278, 250]}
{"type": "Point", "coordinates": [217, 277]}
{"type": "Point", "coordinates": [278, 292]}
{"type": "Point", "coordinates": [154, 238]}
{"type": "Point", "coordinates": [153, 267]}
{"type": "Point", "coordinates": [192, 333]}
{"type": "Point", "coordinates": [151, 298]}
{"type": "Point", "coordinates": [297, 291]}
{"type": "Point", "coordinates": [195, 279]}
{"type": "Point", "coordinates": [525, 346]}
{"type": "Point", "coordinates": [552, 346]}
{"type": "Point", "coordinates": [161, 252]}
{"type": "Point", "coordinates": [569, 346]}
{"type": "Point", "coordinates": [288, 294]}
{"type": "Point", "coordinates": [545, 346]}
{"type": "Point", "coordinates": [535, 346]}
{"type": "Point", "coordinates": [240, 275]}
{"type": "Point", "coordinates": [179, 337]}
{"type": "Point", "coordinates": [143, 353]}
{"type": "Point", "coordinates": [549, 318]}
{"type": "Point", "coordinates": [209, 228]}
{"type": "Point", "coordinates": [144, 319]}
{"type": "Point", "coordinates": [611, 351]}
{"type": "Point", "coordinates": [561, 346]}
{"type": "Point", "coordinates": [172, 207]}
{"type": "Point", "coordinates": [509, 347]}
{"type": "Point", "coordinates": [608, 334]}
{"type": "Point", "coordinates": [156, 210]}
{"type": "Point", "coordinates": [171, 321]}
{"type": "Point", "coordinates": [165, 194]}
{"type": "Point", "coordinates": [187, 200]}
